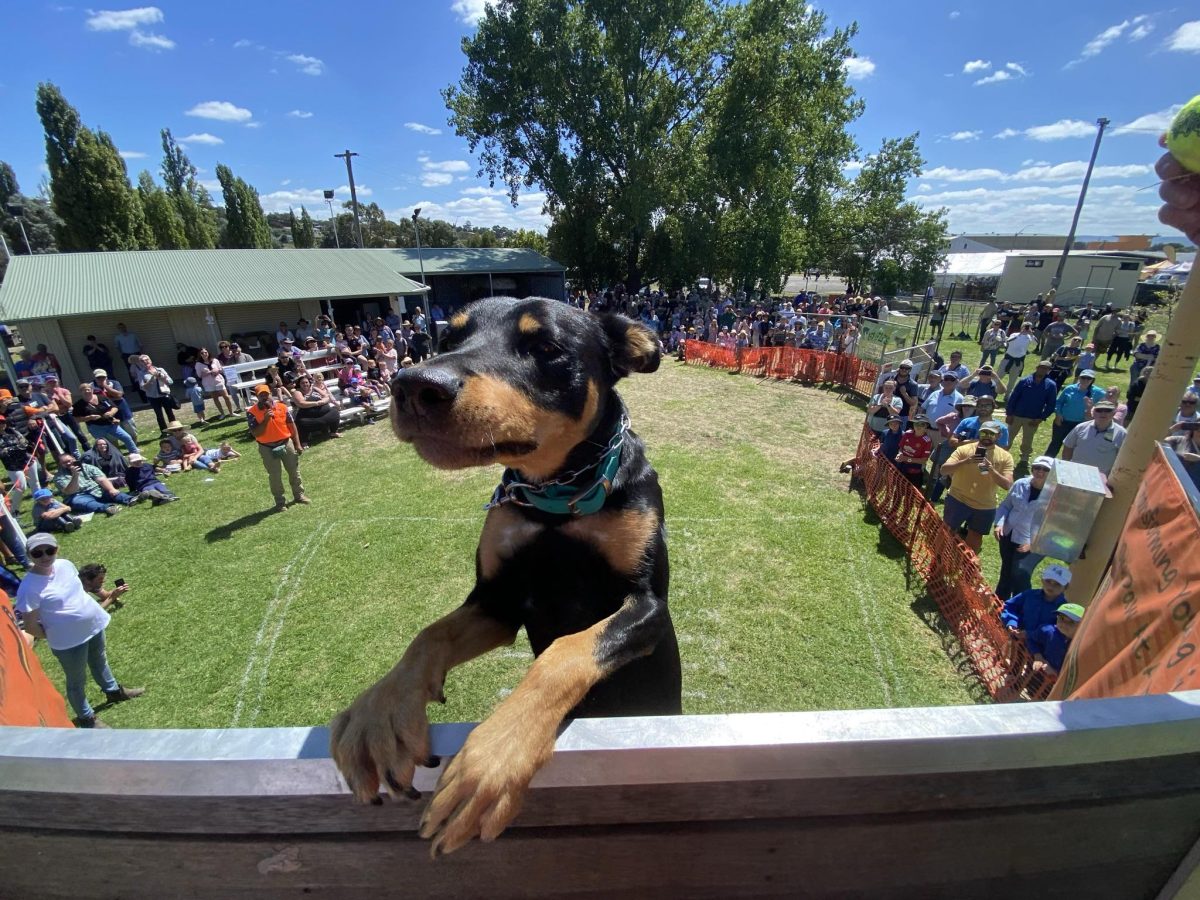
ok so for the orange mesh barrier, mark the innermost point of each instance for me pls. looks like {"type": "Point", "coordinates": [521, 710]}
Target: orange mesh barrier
{"type": "Point", "coordinates": [950, 571]}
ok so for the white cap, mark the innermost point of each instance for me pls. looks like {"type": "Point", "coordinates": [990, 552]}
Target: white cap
{"type": "Point", "coordinates": [41, 539]}
{"type": "Point", "coordinates": [1047, 461]}
{"type": "Point", "coordinates": [905, 362]}
{"type": "Point", "coordinates": [1058, 573]}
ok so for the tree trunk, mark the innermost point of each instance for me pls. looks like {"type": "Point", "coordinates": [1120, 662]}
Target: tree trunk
{"type": "Point", "coordinates": [633, 272]}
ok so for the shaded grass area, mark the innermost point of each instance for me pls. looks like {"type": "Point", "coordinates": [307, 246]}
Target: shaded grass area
{"type": "Point", "coordinates": [785, 594]}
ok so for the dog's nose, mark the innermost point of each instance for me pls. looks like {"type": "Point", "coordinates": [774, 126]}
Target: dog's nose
{"type": "Point", "coordinates": [425, 390]}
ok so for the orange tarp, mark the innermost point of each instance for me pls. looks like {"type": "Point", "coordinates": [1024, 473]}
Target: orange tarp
{"type": "Point", "coordinates": [26, 695]}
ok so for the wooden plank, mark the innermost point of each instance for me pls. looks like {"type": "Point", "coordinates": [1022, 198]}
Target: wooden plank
{"type": "Point", "coordinates": [1011, 789]}
{"type": "Point", "coordinates": [1101, 850]}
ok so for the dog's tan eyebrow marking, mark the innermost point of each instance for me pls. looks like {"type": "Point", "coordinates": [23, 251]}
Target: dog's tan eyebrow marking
{"type": "Point", "coordinates": [459, 320]}
{"type": "Point", "coordinates": [528, 324]}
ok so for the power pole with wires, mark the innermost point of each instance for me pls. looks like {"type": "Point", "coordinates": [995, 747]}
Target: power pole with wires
{"type": "Point", "coordinates": [353, 194]}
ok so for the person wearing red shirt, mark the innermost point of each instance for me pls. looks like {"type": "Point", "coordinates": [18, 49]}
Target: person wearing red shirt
{"type": "Point", "coordinates": [915, 447]}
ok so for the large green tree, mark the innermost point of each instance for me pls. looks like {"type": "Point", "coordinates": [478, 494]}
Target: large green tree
{"type": "Point", "coordinates": [882, 238]}
{"type": "Point", "coordinates": [682, 136]}
{"type": "Point", "coordinates": [245, 224]}
{"type": "Point", "coordinates": [89, 183]}
{"type": "Point", "coordinates": [191, 200]}
{"type": "Point", "coordinates": [303, 234]}
{"type": "Point", "coordinates": [37, 223]}
{"type": "Point", "coordinates": [161, 215]}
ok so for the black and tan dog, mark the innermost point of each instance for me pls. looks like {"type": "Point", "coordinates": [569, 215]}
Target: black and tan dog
{"type": "Point", "coordinates": [573, 549]}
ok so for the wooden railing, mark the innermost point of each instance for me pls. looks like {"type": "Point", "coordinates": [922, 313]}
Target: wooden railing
{"type": "Point", "coordinates": [1087, 799]}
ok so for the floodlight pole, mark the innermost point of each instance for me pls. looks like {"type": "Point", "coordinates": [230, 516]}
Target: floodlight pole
{"type": "Point", "coordinates": [353, 194]}
{"type": "Point", "coordinates": [1062, 260]}
{"type": "Point", "coordinates": [333, 220]}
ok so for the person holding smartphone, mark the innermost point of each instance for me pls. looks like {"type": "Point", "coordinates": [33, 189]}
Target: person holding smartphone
{"type": "Point", "coordinates": [92, 577]}
{"type": "Point", "coordinates": [976, 469]}
{"type": "Point", "coordinates": [273, 427]}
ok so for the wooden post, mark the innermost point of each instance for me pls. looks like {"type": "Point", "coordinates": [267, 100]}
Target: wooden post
{"type": "Point", "coordinates": [1172, 376]}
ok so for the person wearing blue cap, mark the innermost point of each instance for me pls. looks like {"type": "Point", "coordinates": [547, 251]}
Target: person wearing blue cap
{"type": "Point", "coordinates": [1073, 407]}
{"type": "Point", "coordinates": [1026, 612]}
{"type": "Point", "coordinates": [51, 515]}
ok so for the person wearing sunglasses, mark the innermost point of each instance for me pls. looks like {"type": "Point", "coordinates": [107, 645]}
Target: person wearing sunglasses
{"type": "Point", "coordinates": [54, 605]}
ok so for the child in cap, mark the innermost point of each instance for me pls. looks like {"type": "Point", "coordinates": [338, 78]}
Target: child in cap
{"type": "Point", "coordinates": [51, 515]}
{"type": "Point", "coordinates": [889, 445]}
{"type": "Point", "coordinates": [1026, 612]}
{"type": "Point", "coordinates": [1050, 642]}
{"type": "Point", "coordinates": [915, 448]}
{"type": "Point", "coordinates": [193, 392]}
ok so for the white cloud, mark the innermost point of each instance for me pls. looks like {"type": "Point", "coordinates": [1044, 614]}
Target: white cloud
{"type": "Point", "coordinates": [998, 75]}
{"type": "Point", "coordinates": [283, 200]}
{"type": "Point", "coordinates": [1186, 38]}
{"type": "Point", "coordinates": [954, 14]}
{"type": "Point", "coordinates": [483, 191]}
{"type": "Point", "coordinates": [1141, 31]}
{"type": "Point", "coordinates": [435, 179]}
{"type": "Point", "coordinates": [483, 210]}
{"type": "Point", "coordinates": [449, 165]}
{"type": "Point", "coordinates": [1016, 67]}
{"type": "Point", "coordinates": [285, 182]}
{"type": "Point", "coordinates": [469, 12]}
{"type": "Point", "coordinates": [965, 135]}
{"type": "Point", "coordinates": [254, 124]}
{"type": "Point", "coordinates": [859, 67]}
{"type": "Point", "coordinates": [309, 65]}
{"type": "Point", "coordinates": [923, 188]}
{"type": "Point", "coordinates": [221, 110]}
{"type": "Point", "coordinates": [945, 173]}
{"type": "Point", "coordinates": [239, 44]}
{"type": "Point", "coordinates": [976, 65]}
{"type": "Point", "coordinates": [1063, 128]}
{"type": "Point", "coordinates": [1151, 123]}
{"type": "Point", "coordinates": [1006, 133]}
{"type": "Point", "coordinates": [132, 154]}
{"type": "Point", "coordinates": [124, 19]}
{"type": "Point", "coordinates": [300, 114]}
{"type": "Point", "coordinates": [151, 41]}
{"type": "Point", "coordinates": [852, 165]}
{"type": "Point", "coordinates": [423, 129]}
{"type": "Point", "coordinates": [203, 138]}
{"type": "Point", "coordinates": [1136, 28]}
{"type": "Point", "coordinates": [1047, 209]}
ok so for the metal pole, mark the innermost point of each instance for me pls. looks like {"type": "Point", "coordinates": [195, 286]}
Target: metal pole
{"type": "Point", "coordinates": [1172, 375]}
{"type": "Point", "coordinates": [353, 194]}
{"type": "Point", "coordinates": [333, 223]}
{"type": "Point", "coordinates": [28, 246]}
{"type": "Point", "coordinates": [1062, 261]}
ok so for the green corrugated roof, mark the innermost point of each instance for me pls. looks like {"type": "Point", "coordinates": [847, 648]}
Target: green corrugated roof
{"type": "Point", "coordinates": [53, 285]}
{"type": "Point", "coordinates": [466, 260]}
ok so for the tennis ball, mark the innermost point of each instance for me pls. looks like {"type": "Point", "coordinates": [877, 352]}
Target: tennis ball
{"type": "Point", "coordinates": [1183, 137]}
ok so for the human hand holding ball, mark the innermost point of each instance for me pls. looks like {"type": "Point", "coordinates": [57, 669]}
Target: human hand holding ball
{"type": "Point", "coordinates": [1179, 170]}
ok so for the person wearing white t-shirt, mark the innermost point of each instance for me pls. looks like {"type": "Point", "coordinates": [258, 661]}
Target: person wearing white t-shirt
{"type": "Point", "coordinates": [1015, 350]}
{"type": "Point", "coordinates": [54, 605]}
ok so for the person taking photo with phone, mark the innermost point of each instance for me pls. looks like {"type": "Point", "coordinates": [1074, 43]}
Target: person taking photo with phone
{"type": "Point", "coordinates": [976, 469]}
{"type": "Point", "coordinates": [273, 427]}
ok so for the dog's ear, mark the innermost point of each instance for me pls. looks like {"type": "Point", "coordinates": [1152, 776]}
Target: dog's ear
{"type": "Point", "coordinates": [632, 346]}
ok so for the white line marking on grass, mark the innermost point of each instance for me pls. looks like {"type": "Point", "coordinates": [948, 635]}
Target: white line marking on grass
{"type": "Point", "coordinates": [305, 552]}
{"type": "Point", "coordinates": [870, 616]}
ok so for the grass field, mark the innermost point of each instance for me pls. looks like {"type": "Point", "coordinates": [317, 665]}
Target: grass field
{"type": "Point", "coordinates": [784, 593]}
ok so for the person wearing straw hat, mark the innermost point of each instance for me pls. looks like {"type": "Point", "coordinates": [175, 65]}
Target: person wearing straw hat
{"type": "Point", "coordinates": [54, 605]}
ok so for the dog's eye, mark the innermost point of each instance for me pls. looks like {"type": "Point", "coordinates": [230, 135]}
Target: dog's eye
{"type": "Point", "coordinates": [544, 349]}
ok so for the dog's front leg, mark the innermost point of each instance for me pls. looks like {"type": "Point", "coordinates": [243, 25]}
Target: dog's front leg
{"type": "Point", "coordinates": [384, 734]}
{"type": "Point", "coordinates": [482, 789]}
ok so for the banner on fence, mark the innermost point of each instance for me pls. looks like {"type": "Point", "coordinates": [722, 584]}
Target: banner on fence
{"type": "Point", "coordinates": [1140, 635]}
{"type": "Point", "coordinates": [26, 695]}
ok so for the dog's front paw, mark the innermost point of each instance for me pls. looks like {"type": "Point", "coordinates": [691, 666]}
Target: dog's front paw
{"type": "Point", "coordinates": [482, 789]}
{"type": "Point", "coordinates": [381, 739]}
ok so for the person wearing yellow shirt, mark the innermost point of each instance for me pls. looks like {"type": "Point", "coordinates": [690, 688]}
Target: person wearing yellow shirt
{"type": "Point", "coordinates": [976, 469]}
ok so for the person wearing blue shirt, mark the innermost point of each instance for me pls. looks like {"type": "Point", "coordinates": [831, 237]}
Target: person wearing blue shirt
{"type": "Point", "coordinates": [942, 402]}
{"type": "Point", "coordinates": [1026, 612]}
{"type": "Point", "coordinates": [1049, 643]}
{"type": "Point", "coordinates": [1073, 407]}
{"type": "Point", "coordinates": [968, 429]}
{"type": "Point", "coordinates": [955, 367]}
{"type": "Point", "coordinates": [889, 444]}
{"type": "Point", "coordinates": [1030, 404]}
{"type": "Point", "coordinates": [1017, 520]}
{"type": "Point", "coordinates": [818, 337]}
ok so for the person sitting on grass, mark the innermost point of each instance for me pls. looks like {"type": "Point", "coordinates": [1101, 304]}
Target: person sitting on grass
{"type": "Point", "coordinates": [86, 489]}
{"type": "Point", "coordinates": [1026, 612]}
{"type": "Point", "coordinates": [191, 390]}
{"type": "Point", "coordinates": [92, 578]}
{"type": "Point", "coordinates": [169, 458]}
{"type": "Point", "coordinates": [144, 481]}
{"type": "Point", "coordinates": [108, 459]}
{"type": "Point", "coordinates": [226, 452]}
{"type": "Point", "coordinates": [50, 515]}
{"type": "Point", "coordinates": [915, 448]}
{"type": "Point", "coordinates": [1049, 643]}
{"type": "Point", "coordinates": [192, 455]}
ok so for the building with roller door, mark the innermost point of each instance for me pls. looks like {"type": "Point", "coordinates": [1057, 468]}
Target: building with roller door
{"type": "Point", "coordinates": [198, 297]}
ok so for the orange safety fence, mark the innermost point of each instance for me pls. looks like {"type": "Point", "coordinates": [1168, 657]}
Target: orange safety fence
{"type": "Point", "coordinates": [950, 570]}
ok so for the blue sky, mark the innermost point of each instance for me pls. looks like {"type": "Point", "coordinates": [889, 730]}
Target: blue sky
{"type": "Point", "coordinates": [1005, 97]}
